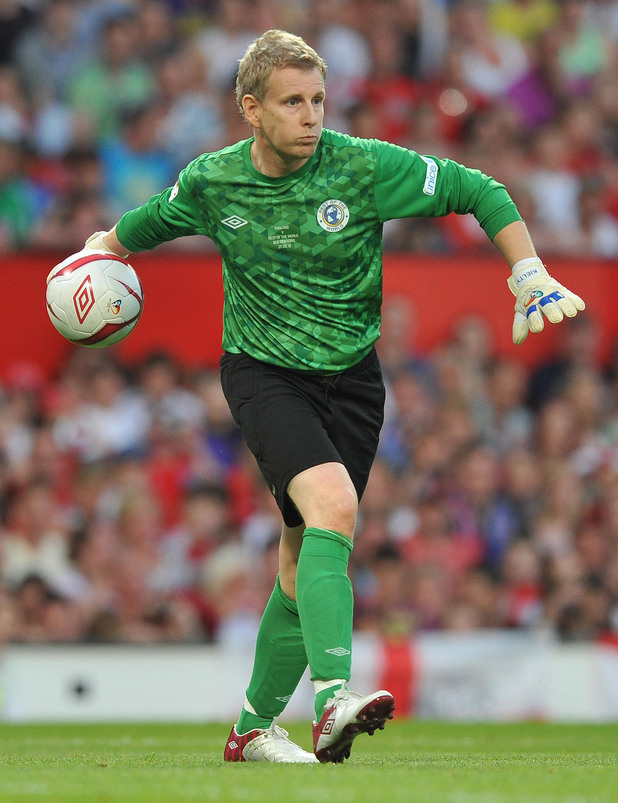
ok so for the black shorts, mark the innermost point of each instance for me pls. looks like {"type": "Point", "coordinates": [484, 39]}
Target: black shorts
{"type": "Point", "coordinates": [293, 420]}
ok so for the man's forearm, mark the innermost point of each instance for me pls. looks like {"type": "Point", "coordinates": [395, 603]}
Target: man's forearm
{"type": "Point", "coordinates": [514, 242]}
{"type": "Point", "coordinates": [112, 242]}
{"type": "Point", "coordinates": [107, 241]}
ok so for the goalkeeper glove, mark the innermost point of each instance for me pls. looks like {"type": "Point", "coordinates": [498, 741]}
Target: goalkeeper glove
{"type": "Point", "coordinates": [537, 294]}
{"type": "Point", "coordinates": [96, 243]}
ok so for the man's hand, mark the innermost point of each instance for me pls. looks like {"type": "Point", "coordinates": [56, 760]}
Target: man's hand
{"type": "Point", "coordinates": [538, 295]}
{"type": "Point", "coordinates": [96, 242]}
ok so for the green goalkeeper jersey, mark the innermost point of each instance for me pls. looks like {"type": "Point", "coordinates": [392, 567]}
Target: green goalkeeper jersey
{"type": "Point", "coordinates": [302, 253]}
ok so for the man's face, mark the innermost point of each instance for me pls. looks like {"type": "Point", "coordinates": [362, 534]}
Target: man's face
{"type": "Point", "coordinates": [288, 122]}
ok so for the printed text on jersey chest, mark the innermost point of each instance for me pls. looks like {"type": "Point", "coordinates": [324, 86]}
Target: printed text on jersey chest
{"type": "Point", "coordinates": [282, 238]}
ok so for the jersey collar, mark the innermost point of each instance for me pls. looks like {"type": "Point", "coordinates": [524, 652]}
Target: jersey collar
{"type": "Point", "coordinates": [296, 174]}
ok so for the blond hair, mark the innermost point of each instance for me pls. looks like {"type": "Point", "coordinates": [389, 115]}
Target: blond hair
{"type": "Point", "coordinates": [270, 51]}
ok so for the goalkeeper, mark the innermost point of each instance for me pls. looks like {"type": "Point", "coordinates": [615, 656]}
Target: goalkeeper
{"type": "Point", "coordinates": [297, 213]}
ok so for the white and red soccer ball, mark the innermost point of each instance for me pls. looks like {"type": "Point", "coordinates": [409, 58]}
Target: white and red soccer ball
{"type": "Point", "coordinates": [94, 298]}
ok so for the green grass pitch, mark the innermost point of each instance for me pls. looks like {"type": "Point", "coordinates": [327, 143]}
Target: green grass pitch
{"type": "Point", "coordinates": [408, 762]}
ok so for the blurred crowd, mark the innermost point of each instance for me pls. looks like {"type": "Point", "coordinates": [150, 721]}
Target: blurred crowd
{"type": "Point", "coordinates": [130, 509]}
{"type": "Point", "coordinates": [102, 102]}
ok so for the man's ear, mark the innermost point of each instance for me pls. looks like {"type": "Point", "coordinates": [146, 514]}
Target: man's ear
{"type": "Point", "coordinates": [251, 108]}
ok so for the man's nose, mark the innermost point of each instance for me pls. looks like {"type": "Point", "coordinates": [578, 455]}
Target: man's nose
{"type": "Point", "coordinates": [311, 115]}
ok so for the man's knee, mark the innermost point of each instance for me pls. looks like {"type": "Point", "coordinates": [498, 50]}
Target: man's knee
{"type": "Point", "coordinates": [325, 497]}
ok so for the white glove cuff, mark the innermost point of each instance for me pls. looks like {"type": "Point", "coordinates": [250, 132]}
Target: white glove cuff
{"type": "Point", "coordinates": [526, 269]}
{"type": "Point", "coordinates": [97, 237]}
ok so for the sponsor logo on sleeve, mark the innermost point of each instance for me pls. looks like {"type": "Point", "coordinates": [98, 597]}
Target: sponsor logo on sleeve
{"type": "Point", "coordinates": [431, 176]}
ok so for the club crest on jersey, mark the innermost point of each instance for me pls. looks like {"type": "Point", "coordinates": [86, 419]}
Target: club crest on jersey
{"type": "Point", "coordinates": [333, 215]}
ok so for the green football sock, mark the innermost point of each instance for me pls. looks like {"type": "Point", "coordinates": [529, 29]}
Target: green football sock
{"type": "Point", "coordinates": [325, 605]}
{"type": "Point", "coordinates": [322, 697]}
{"type": "Point", "coordinates": [279, 663]}
{"type": "Point", "coordinates": [248, 721]}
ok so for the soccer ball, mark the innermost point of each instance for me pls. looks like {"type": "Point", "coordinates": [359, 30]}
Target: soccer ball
{"type": "Point", "coordinates": [94, 298]}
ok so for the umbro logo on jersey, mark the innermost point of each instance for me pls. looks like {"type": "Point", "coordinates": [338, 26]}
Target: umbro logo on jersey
{"type": "Point", "coordinates": [338, 651]}
{"type": "Point", "coordinates": [234, 221]}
